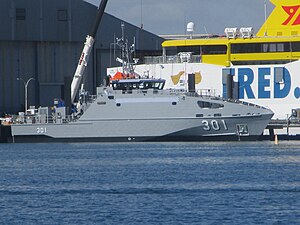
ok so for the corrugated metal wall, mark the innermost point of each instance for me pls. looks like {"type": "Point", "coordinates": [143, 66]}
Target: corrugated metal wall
{"type": "Point", "coordinates": [43, 39]}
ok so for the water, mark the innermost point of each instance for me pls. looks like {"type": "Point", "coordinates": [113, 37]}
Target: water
{"type": "Point", "coordinates": [150, 183]}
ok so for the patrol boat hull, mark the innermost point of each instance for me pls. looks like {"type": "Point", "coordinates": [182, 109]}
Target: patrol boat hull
{"type": "Point", "coordinates": [194, 132]}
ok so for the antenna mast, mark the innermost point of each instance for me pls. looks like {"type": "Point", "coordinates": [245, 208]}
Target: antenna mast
{"type": "Point", "coordinates": [266, 31]}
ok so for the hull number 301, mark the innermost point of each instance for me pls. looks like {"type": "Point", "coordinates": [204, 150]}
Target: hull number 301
{"type": "Point", "coordinates": [214, 125]}
{"type": "Point", "coordinates": [41, 130]}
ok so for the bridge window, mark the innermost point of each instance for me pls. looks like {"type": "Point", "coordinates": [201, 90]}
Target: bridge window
{"type": "Point", "coordinates": [209, 105]}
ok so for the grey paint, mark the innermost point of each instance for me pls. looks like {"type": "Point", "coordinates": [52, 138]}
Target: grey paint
{"type": "Point", "coordinates": [149, 115]}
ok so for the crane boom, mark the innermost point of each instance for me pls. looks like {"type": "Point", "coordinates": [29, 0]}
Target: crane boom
{"type": "Point", "coordinates": [88, 46]}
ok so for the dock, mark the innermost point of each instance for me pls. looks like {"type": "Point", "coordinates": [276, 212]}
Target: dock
{"type": "Point", "coordinates": [5, 133]}
{"type": "Point", "coordinates": [284, 129]}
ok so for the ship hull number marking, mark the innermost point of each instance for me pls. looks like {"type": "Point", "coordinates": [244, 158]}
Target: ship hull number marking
{"type": "Point", "coordinates": [214, 125]}
{"type": "Point", "coordinates": [41, 130]}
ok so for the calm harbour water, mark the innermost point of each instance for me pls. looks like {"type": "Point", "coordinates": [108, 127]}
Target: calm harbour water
{"type": "Point", "coordinates": [150, 183]}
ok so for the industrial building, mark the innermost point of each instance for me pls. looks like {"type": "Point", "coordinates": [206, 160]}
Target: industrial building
{"type": "Point", "coordinates": [41, 42]}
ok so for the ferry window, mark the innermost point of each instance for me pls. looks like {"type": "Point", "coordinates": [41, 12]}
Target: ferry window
{"type": "Point", "coordinates": [272, 47]}
{"type": "Point", "coordinates": [204, 50]}
{"type": "Point", "coordinates": [260, 47]}
{"type": "Point", "coordinates": [296, 46]}
{"type": "Point", "coordinates": [280, 47]}
{"type": "Point", "coordinates": [249, 48]}
{"type": "Point", "coordinates": [171, 51]}
{"type": "Point", "coordinates": [213, 49]}
{"type": "Point", "coordinates": [265, 47]}
{"type": "Point", "coordinates": [283, 47]}
{"type": "Point", "coordinates": [194, 49]}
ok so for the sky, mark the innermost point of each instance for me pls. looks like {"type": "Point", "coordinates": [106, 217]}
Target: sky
{"type": "Point", "coordinates": [165, 17]}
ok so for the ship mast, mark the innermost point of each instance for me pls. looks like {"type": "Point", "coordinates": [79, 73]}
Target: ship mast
{"type": "Point", "coordinates": [126, 51]}
{"type": "Point", "coordinates": [84, 58]}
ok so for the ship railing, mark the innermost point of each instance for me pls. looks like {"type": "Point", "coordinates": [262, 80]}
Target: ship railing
{"type": "Point", "coordinates": [91, 98]}
{"type": "Point", "coordinates": [204, 93]}
{"type": "Point", "coordinates": [176, 91]}
{"type": "Point", "coordinates": [208, 92]}
{"type": "Point", "coordinates": [87, 102]}
{"type": "Point", "coordinates": [43, 119]}
{"type": "Point", "coordinates": [243, 103]}
{"type": "Point", "coordinates": [172, 59]}
{"type": "Point", "coordinates": [87, 99]}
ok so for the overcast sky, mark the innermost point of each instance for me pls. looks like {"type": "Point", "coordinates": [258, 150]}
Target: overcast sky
{"type": "Point", "coordinates": [171, 16]}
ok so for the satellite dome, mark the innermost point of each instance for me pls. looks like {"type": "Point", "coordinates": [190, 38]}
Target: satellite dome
{"type": "Point", "coordinates": [190, 27]}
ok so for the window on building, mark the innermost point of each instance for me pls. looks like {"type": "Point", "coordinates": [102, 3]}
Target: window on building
{"type": "Point", "coordinates": [20, 14]}
{"type": "Point", "coordinates": [62, 15]}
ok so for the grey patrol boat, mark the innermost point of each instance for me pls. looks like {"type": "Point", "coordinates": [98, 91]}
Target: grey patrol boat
{"type": "Point", "coordinates": [139, 110]}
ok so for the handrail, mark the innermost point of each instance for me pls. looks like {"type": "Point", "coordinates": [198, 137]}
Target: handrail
{"type": "Point", "coordinates": [43, 119]}
{"type": "Point", "coordinates": [172, 59]}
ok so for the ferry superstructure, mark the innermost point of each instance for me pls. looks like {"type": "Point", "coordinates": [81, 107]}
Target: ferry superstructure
{"type": "Point", "coordinates": [264, 67]}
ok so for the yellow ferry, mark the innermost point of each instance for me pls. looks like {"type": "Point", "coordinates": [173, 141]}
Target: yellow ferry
{"type": "Point", "coordinates": [277, 42]}
{"type": "Point", "coordinates": [264, 67]}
